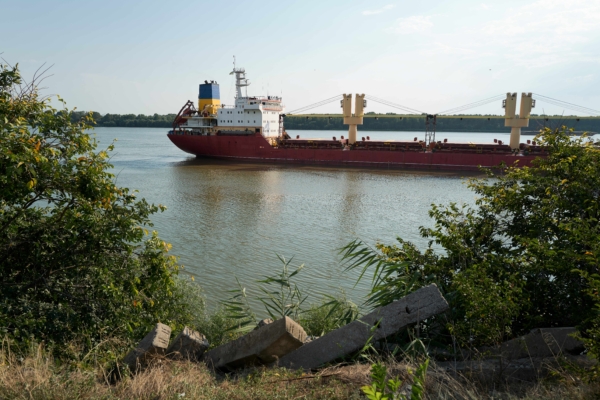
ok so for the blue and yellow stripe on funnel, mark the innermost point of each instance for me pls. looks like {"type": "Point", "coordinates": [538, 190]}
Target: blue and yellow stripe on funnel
{"type": "Point", "coordinates": [209, 96]}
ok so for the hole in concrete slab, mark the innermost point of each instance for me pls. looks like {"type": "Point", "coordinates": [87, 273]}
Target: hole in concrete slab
{"type": "Point", "coordinates": [407, 310]}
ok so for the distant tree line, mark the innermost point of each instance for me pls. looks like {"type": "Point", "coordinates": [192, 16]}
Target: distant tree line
{"type": "Point", "coordinates": [468, 123]}
{"type": "Point", "coordinates": [387, 122]}
{"type": "Point", "coordinates": [127, 120]}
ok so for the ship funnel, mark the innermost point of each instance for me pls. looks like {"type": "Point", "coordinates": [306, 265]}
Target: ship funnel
{"type": "Point", "coordinates": [209, 98]}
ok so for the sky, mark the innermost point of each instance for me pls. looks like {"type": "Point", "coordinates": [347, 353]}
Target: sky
{"type": "Point", "coordinates": [146, 57]}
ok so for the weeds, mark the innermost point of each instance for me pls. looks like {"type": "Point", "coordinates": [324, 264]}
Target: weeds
{"type": "Point", "coordinates": [330, 314]}
{"type": "Point", "coordinates": [382, 388]}
{"type": "Point", "coordinates": [281, 297]}
{"type": "Point", "coordinates": [238, 309]}
{"type": "Point", "coordinates": [37, 375]}
{"type": "Point", "coordinates": [285, 299]}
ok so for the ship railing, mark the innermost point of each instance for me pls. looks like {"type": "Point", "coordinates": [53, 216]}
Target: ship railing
{"type": "Point", "coordinates": [309, 144]}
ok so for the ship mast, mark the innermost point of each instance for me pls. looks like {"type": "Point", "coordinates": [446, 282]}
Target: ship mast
{"type": "Point", "coordinates": [240, 80]}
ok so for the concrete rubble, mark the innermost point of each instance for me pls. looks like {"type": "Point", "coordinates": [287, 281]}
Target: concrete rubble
{"type": "Point", "coordinates": [189, 344]}
{"type": "Point", "coordinates": [155, 343]}
{"type": "Point", "coordinates": [542, 342]}
{"type": "Point", "coordinates": [284, 343]}
{"type": "Point", "coordinates": [261, 346]}
{"type": "Point", "coordinates": [384, 321]}
{"type": "Point", "coordinates": [511, 371]}
{"type": "Point", "coordinates": [263, 322]}
{"type": "Point", "coordinates": [527, 358]}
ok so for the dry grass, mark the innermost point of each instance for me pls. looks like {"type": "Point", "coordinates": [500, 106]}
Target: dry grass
{"type": "Point", "coordinates": [37, 376]}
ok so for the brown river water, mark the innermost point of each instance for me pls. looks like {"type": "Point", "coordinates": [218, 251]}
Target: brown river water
{"type": "Point", "coordinates": [228, 220]}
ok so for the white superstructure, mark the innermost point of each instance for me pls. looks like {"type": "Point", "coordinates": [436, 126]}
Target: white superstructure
{"type": "Point", "coordinates": [249, 113]}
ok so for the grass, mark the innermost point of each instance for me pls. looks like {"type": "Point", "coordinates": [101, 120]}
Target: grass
{"type": "Point", "coordinates": [38, 376]}
{"type": "Point", "coordinates": [35, 374]}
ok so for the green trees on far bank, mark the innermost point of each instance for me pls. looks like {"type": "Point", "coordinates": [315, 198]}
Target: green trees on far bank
{"type": "Point", "coordinates": [126, 120]}
{"type": "Point", "coordinates": [76, 260]}
{"type": "Point", "coordinates": [526, 256]}
{"type": "Point", "coordinates": [468, 123]}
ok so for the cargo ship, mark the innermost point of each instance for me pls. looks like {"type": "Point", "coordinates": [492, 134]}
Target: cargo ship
{"type": "Point", "coordinates": [252, 129]}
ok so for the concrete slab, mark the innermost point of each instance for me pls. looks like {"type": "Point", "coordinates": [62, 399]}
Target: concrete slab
{"type": "Point", "coordinates": [189, 345]}
{"type": "Point", "coordinates": [382, 322]}
{"type": "Point", "coordinates": [155, 343]}
{"type": "Point", "coordinates": [263, 322]}
{"type": "Point", "coordinates": [541, 342]}
{"type": "Point", "coordinates": [530, 369]}
{"type": "Point", "coordinates": [261, 346]}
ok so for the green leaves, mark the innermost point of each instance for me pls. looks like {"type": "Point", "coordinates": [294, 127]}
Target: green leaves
{"type": "Point", "coordinates": [237, 308]}
{"type": "Point", "coordinates": [392, 275]}
{"type": "Point", "coordinates": [383, 389]}
{"type": "Point", "coordinates": [333, 312]}
{"type": "Point", "coordinates": [506, 264]}
{"type": "Point", "coordinates": [280, 296]}
{"type": "Point", "coordinates": [72, 259]}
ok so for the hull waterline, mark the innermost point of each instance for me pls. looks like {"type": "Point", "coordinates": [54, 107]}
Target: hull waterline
{"type": "Point", "coordinates": [256, 149]}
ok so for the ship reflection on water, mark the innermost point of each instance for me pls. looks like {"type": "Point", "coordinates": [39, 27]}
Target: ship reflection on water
{"type": "Point", "coordinates": [228, 220]}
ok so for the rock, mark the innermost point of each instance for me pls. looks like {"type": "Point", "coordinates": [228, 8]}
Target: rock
{"type": "Point", "coordinates": [310, 338]}
{"type": "Point", "coordinates": [261, 346]}
{"type": "Point", "coordinates": [263, 322]}
{"type": "Point", "coordinates": [382, 322]}
{"type": "Point", "coordinates": [527, 358]}
{"type": "Point", "coordinates": [493, 370]}
{"type": "Point", "coordinates": [155, 343]}
{"type": "Point", "coordinates": [189, 344]}
{"type": "Point", "coordinates": [528, 369]}
{"type": "Point", "coordinates": [542, 342]}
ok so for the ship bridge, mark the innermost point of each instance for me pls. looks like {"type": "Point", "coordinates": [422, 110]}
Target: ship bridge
{"type": "Point", "coordinates": [264, 112]}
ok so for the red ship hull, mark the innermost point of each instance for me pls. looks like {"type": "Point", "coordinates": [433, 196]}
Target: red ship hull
{"type": "Point", "coordinates": [256, 149]}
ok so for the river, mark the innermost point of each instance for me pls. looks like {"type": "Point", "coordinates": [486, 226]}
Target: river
{"type": "Point", "coordinates": [228, 220]}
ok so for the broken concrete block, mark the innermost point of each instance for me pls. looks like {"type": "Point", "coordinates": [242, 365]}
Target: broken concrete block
{"type": "Point", "coordinates": [542, 342]}
{"type": "Point", "coordinates": [263, 345]}
{"type": "Point", "coordinates": [520, 370]}
{"type": "Point", "coordinates": [382, 322]}
{"type": "Point", "coordinates": [263, 322]}
{"type": "Point", "coordinates": [155, 343]}
{"type": "Point", "coordinates": [189, 345]}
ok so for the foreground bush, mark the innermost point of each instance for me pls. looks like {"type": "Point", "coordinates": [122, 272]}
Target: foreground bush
{"type": "Point", "coordinates": [75, 260]}
{"type": "Point", "coordinates": [517, 260]}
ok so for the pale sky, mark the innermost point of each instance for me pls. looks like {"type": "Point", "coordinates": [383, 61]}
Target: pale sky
{"type": "Point", "coordinates": [149, 57]}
